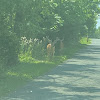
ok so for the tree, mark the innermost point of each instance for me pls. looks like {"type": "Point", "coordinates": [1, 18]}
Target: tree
{"type": "Point", "coordinates": [8, 40]}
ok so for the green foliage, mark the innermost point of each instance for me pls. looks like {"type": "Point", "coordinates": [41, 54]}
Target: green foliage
{"type": "Point", "coordinates": [62, 18]}
{"type": "Point", "coordinates": [8, 49]}
{"type": "Point", "coordinates": [68, 19]}
{"type": "Point", "coordinates": [33, 48]}
{"type": "Point", "coordinates": [84, 40]}
{"type": "Point", "coordinates": [26, 58]}
{"type": "Point", "coordinates": [9, 44]}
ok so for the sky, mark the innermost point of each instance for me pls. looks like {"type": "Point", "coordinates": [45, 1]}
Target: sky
{"type": "Point", "coordinates": [98, 23]}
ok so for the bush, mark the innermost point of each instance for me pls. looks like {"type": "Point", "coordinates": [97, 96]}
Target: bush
{"type": "Point", "coordinates": [35, 48]}
{"type": "Point", "coordinates": [8, 48]}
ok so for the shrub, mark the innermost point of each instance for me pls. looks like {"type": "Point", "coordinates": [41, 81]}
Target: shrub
{"type": "Point", "coordinates": [35, 48]}
{"type": "Point", "coordinates": [8, 48]}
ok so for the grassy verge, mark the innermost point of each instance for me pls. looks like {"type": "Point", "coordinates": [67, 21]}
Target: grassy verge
{"type": "Point", "coordinates": [17, 76]}
{"type": "Point", "coordinates": [22, 73]}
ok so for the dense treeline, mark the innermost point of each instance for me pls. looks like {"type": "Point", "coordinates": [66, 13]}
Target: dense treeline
{"type": "Point", "coordinates": [68, 19]}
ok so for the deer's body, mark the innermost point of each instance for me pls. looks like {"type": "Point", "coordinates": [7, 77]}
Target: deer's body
{"type": "Point", "coordinates": [61, 46]}
{"type": "Point", "coordinates": [50, 49]}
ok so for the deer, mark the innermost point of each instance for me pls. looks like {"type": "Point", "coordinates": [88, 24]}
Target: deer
{"type": "Point", "coordinates": [51, 47]}
{"type": "Point", "coordinates": [61, 46]}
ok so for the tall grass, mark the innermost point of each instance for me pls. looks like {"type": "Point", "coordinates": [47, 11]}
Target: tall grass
{"type": "Point", "coordinates": [33, 48]}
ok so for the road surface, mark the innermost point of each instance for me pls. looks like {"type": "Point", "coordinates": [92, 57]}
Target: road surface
{"type": "Point", "coordinates": [77, 78]}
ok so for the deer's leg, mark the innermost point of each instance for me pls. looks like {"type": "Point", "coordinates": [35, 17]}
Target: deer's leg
{"type": "Point", "coordinates": [53, 51]}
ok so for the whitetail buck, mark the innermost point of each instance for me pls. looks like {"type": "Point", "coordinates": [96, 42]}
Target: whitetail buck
{"type": "Point", "coordinates": [51, 47]}
{"type": "Point", "coordinates": [50, 50]}
{"type": "Point", "coordinates": [61, 46]}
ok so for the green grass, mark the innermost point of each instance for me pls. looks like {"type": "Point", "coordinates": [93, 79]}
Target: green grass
{"type": "Point", "coordinates": [22, 73]}
{"type": "Point", "coordinates": [16, 76]}
{"type": "Point", "coordinates": [84, 41]}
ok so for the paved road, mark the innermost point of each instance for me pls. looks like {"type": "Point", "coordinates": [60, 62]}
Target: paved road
{"type": "Point", "coordinates": [76, 79]}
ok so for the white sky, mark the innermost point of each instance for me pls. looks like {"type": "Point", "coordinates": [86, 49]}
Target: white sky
{"type": "Point", "coordinates": [98, 23]}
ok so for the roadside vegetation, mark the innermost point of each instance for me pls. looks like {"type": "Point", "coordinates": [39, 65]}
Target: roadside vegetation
{"type": "Point", "coordinates": [28, 69]}
{"type": "Point", "coordinates": [37, 35]}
